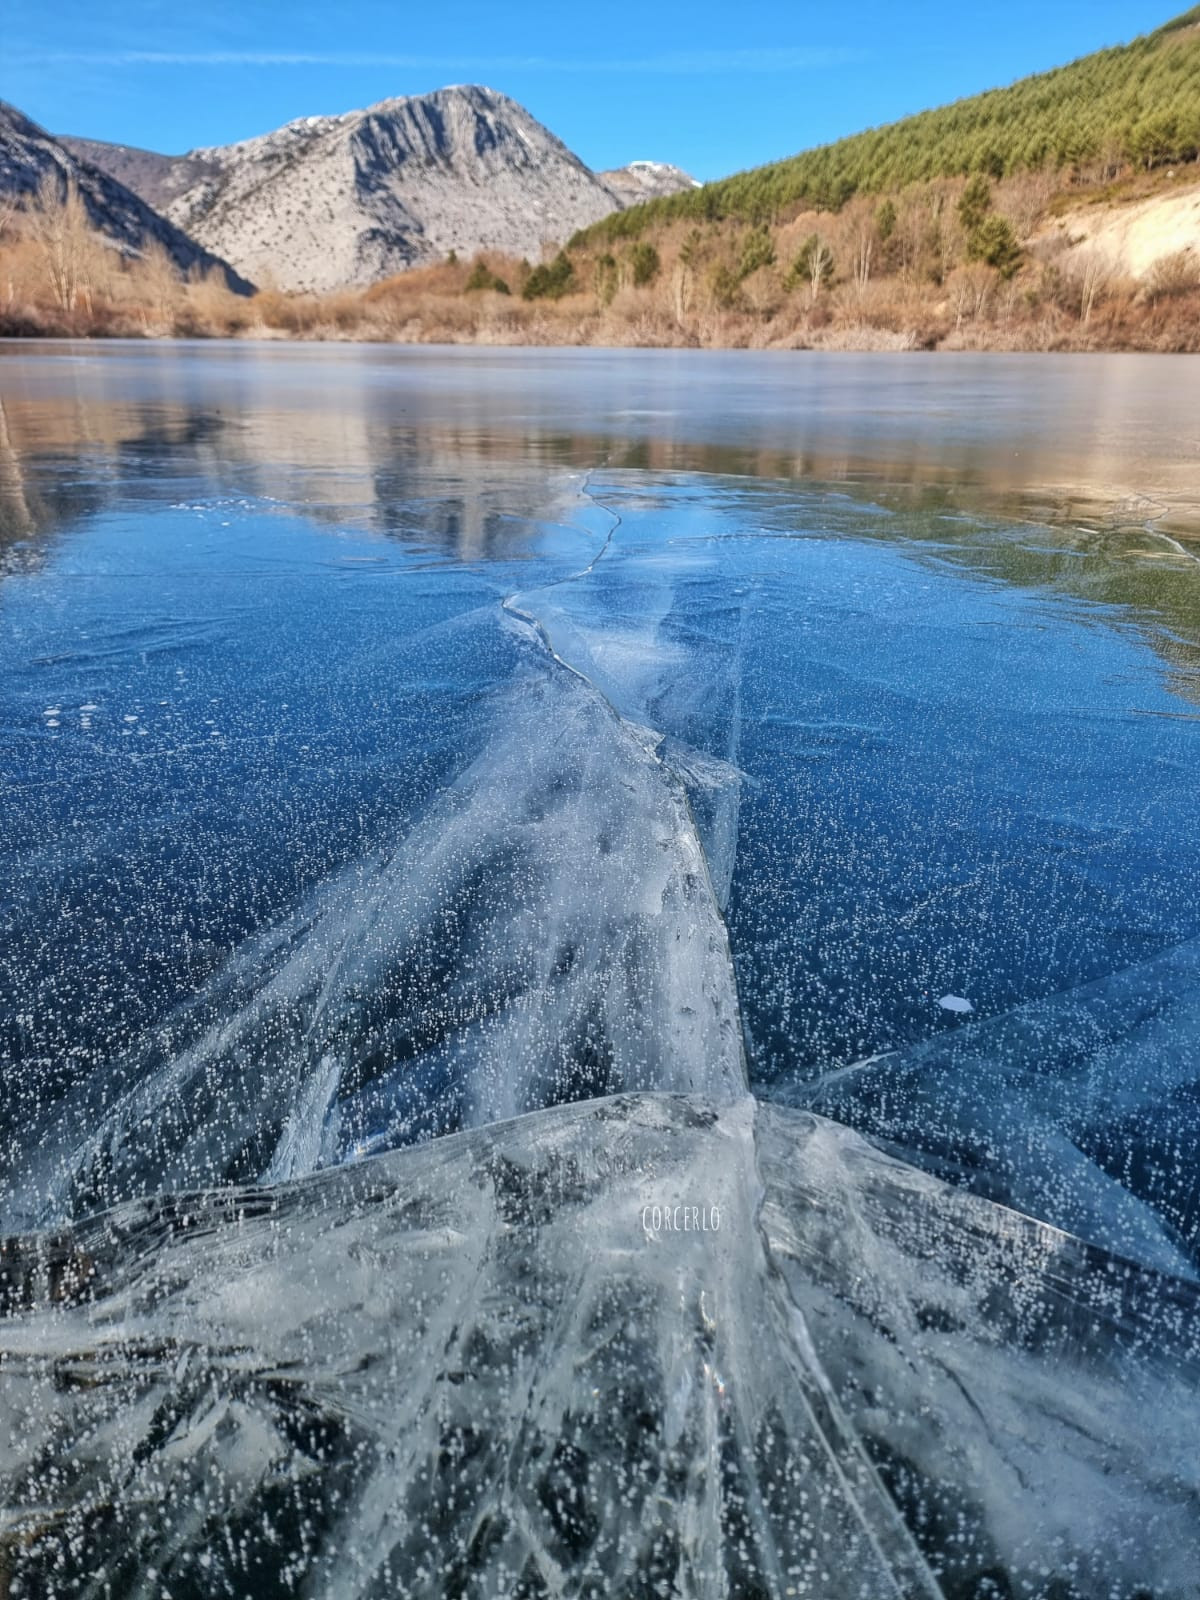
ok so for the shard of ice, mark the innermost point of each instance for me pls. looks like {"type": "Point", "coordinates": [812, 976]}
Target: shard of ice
{"type": "Point", "coordinates": [491, 1366]}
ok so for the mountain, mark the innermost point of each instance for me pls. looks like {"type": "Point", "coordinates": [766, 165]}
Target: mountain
{"type": "Point", "coordinates": [28, 153]}
{"type": "Point", "coordinates": [646, 180]}
{"type": "Point", "coordinates": [1133, 105]}
{"type": "Point", "coordinates": [337, 200]}
{"type": "Point", "coordinates": [158, 179]}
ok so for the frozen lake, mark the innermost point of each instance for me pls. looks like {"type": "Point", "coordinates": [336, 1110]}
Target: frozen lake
{"type": "Point", "coordinates": [769, 779]}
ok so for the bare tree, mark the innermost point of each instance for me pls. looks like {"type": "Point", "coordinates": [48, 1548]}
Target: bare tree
{"type": "Point", "coordinates": [8, 209]}
{"type": "Point", "coordinates": [908, 239]}
{"type": "Point", "coordinates": [681, 291]}
{"type": "Point", "coordinates": [71, 251]}
{"type": "Point", "coordinates": [943, 236]}
{"type": "Point", "coordinates": [1094, 274]}
{"type": "Point", "coordinates": [970, 290]}
{"type": "Point", "coordinates": [158, 282]}
{"type": "Point", "coordinates": [683, 280]}
{"type": "Point", "coordinates": [820, 266]}
{"type": "Point", "coordinates": [863, 249]}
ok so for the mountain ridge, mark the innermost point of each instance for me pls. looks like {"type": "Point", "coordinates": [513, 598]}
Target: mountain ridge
{"type": "Point", "coordinates": [326, 202]}
{"type": "Point", "coordinates": [29, 154]}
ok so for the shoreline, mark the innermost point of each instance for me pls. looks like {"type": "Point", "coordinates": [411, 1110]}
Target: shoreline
{"type": "Point", "coordinates": [847, 341]}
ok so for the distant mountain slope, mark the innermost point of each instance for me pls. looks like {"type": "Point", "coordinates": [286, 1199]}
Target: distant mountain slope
{"type": "Point", "coordinates": [28, 152]}
{"type": "Point", "coordinates": [329, 201]}
{"type": "Point", "coordinates": [646, 180]}
{"type": "Point", "coordinates": [158, 179]}
{"type": "Point", "coordinates": [1136, 103]}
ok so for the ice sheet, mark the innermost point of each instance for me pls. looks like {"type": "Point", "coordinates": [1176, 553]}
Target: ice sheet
{"type": "Point", "coordinates": [476, 1368]}
{"type": "Point", "coordinates": [547, 931]}
{"type": "Point", "coordinates": [370, 778]}
{"type": "Point", "coordinates": [1082, 1109]}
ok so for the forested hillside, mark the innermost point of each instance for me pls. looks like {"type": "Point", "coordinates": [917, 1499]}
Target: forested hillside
{"type": "Point", "coordinates": [1134, 105]}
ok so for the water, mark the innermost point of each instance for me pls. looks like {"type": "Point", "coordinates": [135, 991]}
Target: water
{"type": "Point", "coordinates": [454, 800]}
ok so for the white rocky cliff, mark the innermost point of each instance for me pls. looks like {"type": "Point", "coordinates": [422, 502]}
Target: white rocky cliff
{"type": "Point", "coordinates": [329, 201]}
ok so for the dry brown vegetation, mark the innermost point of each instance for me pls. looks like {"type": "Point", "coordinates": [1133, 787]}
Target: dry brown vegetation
{"type": "Point", "coordinates": [908, 272]}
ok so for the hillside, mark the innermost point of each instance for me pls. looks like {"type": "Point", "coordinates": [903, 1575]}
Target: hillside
{"type": "Point", "coordinates": [332, 201]}
{"type": "Point", "coordinates": [158, 179]}
{"type": "Point", "coordinates": [1136, 105]}
{"type": "Point", "coordinates": [121, 217]}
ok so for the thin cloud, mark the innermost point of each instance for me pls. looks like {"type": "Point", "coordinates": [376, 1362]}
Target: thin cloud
{"type": "Point", "coordinates": [681, 63]}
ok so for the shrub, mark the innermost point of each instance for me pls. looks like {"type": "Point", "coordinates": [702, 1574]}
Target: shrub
{"type": "Point", "coordinates": [995, 244]}
{"type": "Point", "coordinates": [482, 277]}
{"type": "Point", "coordinates": [644, 263]}
{"type": "Point", "coordinates": [1173, 275]}
{"type": "Point", "coordinates": [551, 280]}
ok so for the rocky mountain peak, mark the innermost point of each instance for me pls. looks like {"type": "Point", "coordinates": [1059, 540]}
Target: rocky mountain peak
{"type": "Point", "coordinates": [333, 200]}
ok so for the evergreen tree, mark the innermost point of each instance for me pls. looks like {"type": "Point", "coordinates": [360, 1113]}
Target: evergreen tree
{"type": "Point", "coordinates": [644, 263]}
{"type": "Point", "coordinates": [482, 277]}
{"type": "Point", "coordinates": [758, 250]}
{"type": "Point", "coordinates": [975, 203]}
{"type": "Point", "coordinates": [604, 278]}
{"type": "Point", "coordinates": [550, 280]}
{"type": "Point", "coordinates": [995, 243]}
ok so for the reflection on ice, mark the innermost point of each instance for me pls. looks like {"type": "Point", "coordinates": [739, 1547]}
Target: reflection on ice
{"type": "Point", "coordinates": [470, 1369]}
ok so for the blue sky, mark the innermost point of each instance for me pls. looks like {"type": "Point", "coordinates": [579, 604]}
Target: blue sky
{"type": "Point", "coordinates": [713, 87]}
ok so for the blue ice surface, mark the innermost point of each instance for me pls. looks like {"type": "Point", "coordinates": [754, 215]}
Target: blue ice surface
{"type": "Point", "coordinates": [926, 755]}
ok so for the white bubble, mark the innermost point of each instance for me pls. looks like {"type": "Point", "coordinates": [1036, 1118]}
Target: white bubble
{"type": "Point", "coordinates": [955, 1002]}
